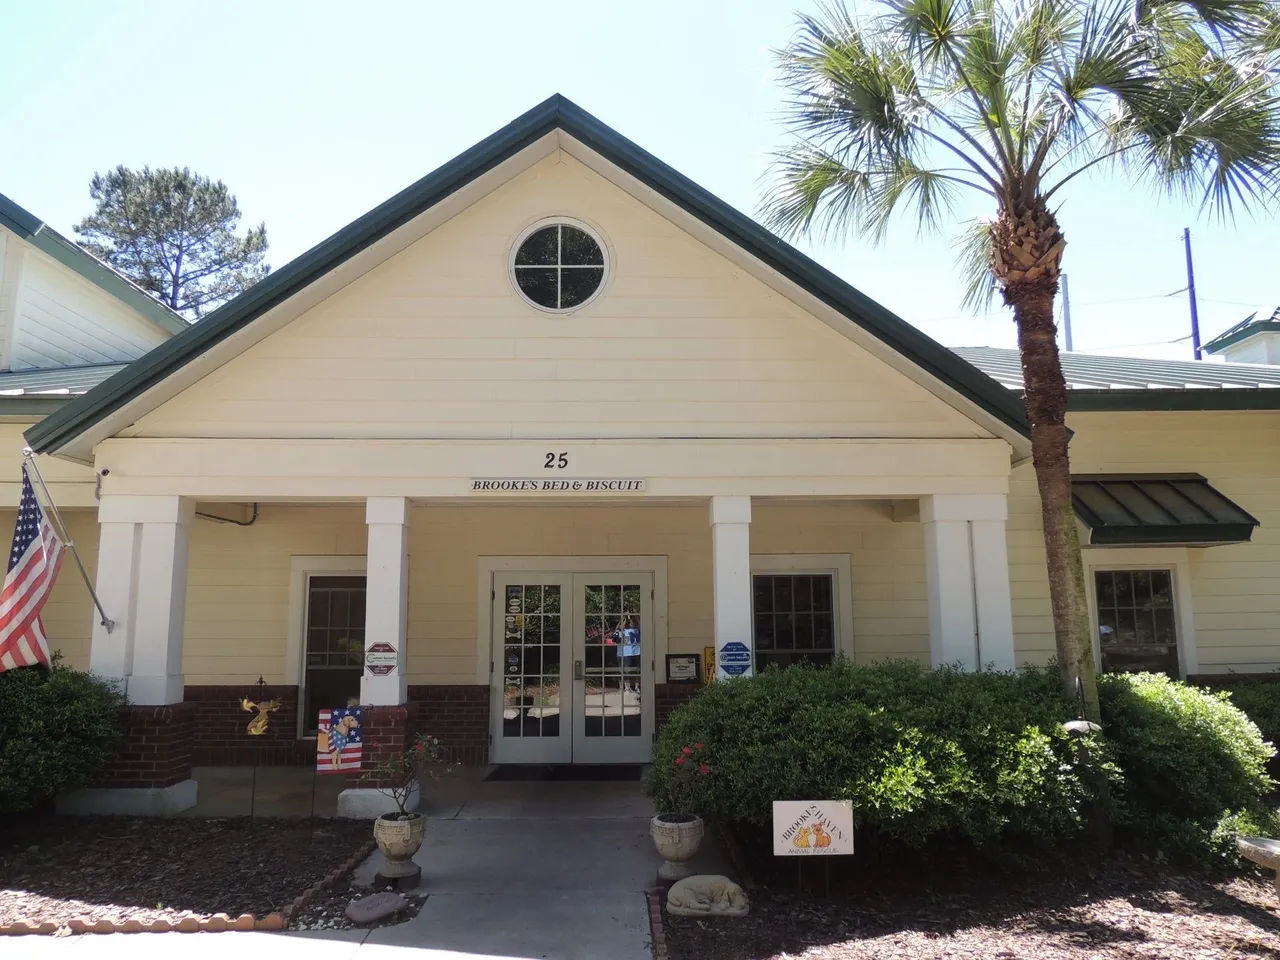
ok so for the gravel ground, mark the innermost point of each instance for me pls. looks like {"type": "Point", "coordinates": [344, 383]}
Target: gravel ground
{"type": "Point", "coordinates": [1125, 909]}
{"type": "Point", "coordinates": [118, 868]}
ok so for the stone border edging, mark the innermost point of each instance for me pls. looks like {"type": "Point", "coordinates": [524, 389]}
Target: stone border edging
{"type": "Point", "coordinates": [657, 928]}
{"type": "Point", "coordinates": [219, 922]}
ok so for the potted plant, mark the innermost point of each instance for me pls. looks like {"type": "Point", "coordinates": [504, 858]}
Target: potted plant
{"type": "Point", "coordinates": [399, 833]}
{"type": "Point", "coordinates": [677, 831]}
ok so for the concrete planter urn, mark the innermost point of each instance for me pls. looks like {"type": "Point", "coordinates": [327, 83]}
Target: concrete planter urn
{"type": "Point", "coordinates": [398, 837]}
{"type": "Point", "coordinates": [677, 837]}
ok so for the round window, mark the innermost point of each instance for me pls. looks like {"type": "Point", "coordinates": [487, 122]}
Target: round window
{"type": "Point", "coordinates": [559, 266]}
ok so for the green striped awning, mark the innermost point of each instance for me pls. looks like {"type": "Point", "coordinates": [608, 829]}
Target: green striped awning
{"type": "Point", "coordinates": [1147, 509]}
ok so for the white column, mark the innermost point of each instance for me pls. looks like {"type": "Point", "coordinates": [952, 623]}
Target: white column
{"type": "Point", "coordinates": [731, 578]}
{"type": "Point", "coordinates": [142, 582]}
{"type": "Point", "coordinates": [387, 599]}
{"type": "Point", "coordinates": [967, 573]}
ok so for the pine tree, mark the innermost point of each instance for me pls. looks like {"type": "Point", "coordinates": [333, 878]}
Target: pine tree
{"type": "Point", "coordinates": [173, 233]}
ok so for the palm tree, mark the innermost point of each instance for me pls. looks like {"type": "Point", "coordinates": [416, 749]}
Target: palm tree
{"type": "Point", "coordinates": [910, 108]}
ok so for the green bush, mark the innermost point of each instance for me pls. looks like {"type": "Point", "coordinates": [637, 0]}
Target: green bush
{"type": "Point", "coordinates": [1261, 702]}
{"type": "Point", "coordinates": [926, 754]}
{"type": "Point", "coordinates": [1191, 760]}
{"type": "Point", "coordinates": [58, 730]}
{"type": "Point", "coordinates": [920, 753]}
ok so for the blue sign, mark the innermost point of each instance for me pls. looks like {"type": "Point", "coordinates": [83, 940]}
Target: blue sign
{"type": "Point", "coordinates": [735, 658]}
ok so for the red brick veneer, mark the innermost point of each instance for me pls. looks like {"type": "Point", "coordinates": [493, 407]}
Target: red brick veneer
{"type": "Point", "coordinates": [220, 737]}
{"type": "Point", "coordinates": [156, 749]}
{"type": "Point", "coordinates": [668, 696]}
{"type": "Point", "coordinates": [458, 714]}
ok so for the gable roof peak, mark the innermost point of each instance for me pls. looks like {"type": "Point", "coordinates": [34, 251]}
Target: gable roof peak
{"type": "Point", "coordinates": [81, 419]}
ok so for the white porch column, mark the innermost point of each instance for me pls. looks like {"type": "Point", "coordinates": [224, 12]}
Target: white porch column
{"type": "Point", "coordinates": [967, 572]}
{"type": "Point", "coordinates": [387, 598]}
{"type": "Point", "coordinates": [731, 578]}
{"type": "Point", "coordinates": [142, 582]}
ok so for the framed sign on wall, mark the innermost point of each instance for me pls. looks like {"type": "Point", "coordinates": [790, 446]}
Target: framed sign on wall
{"type": "Point", "coordinates": [683, 668]}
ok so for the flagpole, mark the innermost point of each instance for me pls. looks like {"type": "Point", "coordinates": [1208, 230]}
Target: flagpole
{"type": "Point", "coordinates": [29, 456]}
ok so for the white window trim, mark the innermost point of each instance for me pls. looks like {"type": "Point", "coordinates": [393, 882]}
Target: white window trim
{"type": "Point", "coordinates": [301, 570]}
{"type": "Point", "coordinates": [590, 230]}
{"type": "Point", "coordinates": [836, 564]}
{"type": "Point", "coordinates": [1177, 560]}
{"type": "Point", "coordinates": [488, 566]}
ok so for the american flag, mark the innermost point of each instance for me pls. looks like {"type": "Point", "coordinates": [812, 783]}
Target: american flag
{"type": "Point", "coordinates": [340, 741]}
{"type": "Point", "coordinates": [33, 566]}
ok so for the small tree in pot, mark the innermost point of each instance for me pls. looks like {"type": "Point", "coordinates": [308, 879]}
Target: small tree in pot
{"type": "Point", "coordinates": [676, 830]}
{"type": "Point", "coordinates": [399, 776]}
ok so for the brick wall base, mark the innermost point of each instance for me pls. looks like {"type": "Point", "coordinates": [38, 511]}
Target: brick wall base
{"type": "Point", "coordinates": [456, 713]}
{"type": "Point", "coordinates": [157, 747]}
{"type": "Point", "coordinates": [668, 696]}
{"type": "Point", "coordinates": [387, 731]}
{"type": "Point", "coordinates": [221, 739]}
{"type": "Point", "coordinates": [459, 715]}
{"type": "Point", "coordinates": [1225, 681]}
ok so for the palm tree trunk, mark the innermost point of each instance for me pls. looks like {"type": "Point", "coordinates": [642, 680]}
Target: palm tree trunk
{"type": "Point", "coordinates": [1045, 395]}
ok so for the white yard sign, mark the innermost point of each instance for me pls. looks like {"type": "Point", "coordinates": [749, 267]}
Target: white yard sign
{"type": "Point", "coordinates": [812, 828]}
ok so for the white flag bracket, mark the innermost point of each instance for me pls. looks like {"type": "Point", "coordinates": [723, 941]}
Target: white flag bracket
{"type": "Point", "coordinates": [30, 457]}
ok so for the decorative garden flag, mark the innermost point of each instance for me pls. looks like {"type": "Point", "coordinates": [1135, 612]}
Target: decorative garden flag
{"type": "Point", "coordinates": [33, 566]}
{"type": "Point", "coordinates": [339, 742]}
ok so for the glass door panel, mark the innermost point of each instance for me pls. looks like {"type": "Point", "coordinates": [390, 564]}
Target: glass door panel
{"type": "Point", "coordinates": [613, 657]}
{"type": "Point", "coordinates": [335, 645]}
{"type": "Point", "coordinates": [530, 725]}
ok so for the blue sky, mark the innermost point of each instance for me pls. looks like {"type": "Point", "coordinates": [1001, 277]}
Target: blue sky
{"type": "Point", "coordinates": [312, 112]}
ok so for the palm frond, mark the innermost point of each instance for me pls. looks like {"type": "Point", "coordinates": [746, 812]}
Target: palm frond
{"type": "Point", "coordinates": [814, 191]}
{"type": "Point", "coordinates": [973, 258]}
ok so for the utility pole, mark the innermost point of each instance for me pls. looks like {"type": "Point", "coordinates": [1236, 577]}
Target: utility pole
{"type": "Point", "coordinates": [1066, 312]}
{"type": "Point", "coordinates": [1191, 293]}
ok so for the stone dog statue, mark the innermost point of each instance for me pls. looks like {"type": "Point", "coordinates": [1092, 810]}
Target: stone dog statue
{"type": "Point", "coordinates": [707, 894]}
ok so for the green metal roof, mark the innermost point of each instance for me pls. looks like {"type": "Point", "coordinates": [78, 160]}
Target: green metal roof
{"type": "Point", "coordinates": [1256, 322]}
{"type": "Point", "coordinates": [1097, 382]}
{"type": "Point", "coordinates": [1145, 509]}
{"type": "Point", "coordinates": [552, 114]}
{"type": "Point", "coordinates": [42, 236]}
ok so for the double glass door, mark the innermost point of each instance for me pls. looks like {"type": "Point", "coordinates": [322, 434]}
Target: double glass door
{"type": "Point", "coordinates": [573, 663]}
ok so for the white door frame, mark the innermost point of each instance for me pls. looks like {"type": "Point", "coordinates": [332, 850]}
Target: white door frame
{"type": "Point", "coordinates": [487, 672]}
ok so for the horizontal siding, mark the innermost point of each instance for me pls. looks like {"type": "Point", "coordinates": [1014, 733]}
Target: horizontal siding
{"type": "Point", "coordinates": [1236, 588]}
{"type": "Point", "coordinates": [64, 321]}
{"type": "Point", "coordinates": [68, 615]}
{"type": "Point", "coordinates": [238, 579]}
{"type": "Point", "coordinates": [436, 342]}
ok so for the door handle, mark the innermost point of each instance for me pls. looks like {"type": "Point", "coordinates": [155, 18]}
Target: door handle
{"type": "Point", "coordinates": [577, 670]}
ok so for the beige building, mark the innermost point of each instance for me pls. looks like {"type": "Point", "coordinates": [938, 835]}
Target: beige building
{"type": "Point", "coordinates": [504, 457]}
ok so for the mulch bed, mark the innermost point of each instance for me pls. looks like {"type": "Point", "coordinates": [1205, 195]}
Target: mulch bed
{"type": "Point", "coordinates": [326, 910]}
{"type": "Point", "coordinates": [1122, 908]}
{"type": "Point", "coordinates": [119, 868]}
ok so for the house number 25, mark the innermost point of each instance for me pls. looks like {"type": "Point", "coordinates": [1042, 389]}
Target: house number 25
{"type": "Point", "coordinates": [556, 461]}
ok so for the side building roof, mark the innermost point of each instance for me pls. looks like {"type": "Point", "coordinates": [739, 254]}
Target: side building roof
{"type": "Point", "coordinates": [1097, 382]}
{"type": "Point", "coordinates": [49, 241]}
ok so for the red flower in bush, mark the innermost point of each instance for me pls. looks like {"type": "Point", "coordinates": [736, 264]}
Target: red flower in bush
{"type": "Point", "coordinates": [703, 768]}
{"type": "Point", "coordinates": [686, 750]}
{"type": "Point", "coordinates": [679, 761]}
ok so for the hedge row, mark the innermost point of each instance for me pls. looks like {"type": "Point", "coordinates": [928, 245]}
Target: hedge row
{"type": "Point", "coordinates": [982, 757]}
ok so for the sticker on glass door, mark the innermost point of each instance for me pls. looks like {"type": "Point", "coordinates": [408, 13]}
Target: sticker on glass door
{"type": "Point", "coordinates": [531, 660]}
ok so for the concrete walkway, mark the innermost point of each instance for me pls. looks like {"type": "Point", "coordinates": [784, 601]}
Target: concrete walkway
{"type": "Point", "coordinates": [514, 871]}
